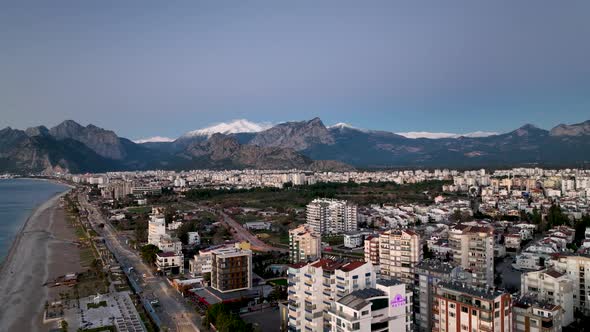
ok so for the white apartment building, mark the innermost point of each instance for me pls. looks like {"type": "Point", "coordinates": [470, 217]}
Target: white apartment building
{"type": "Point", "coordinates": [354, 240]}
{"type": "Point", "coordinates": [399, 252]}
{"type": "Point", "coordinates": [170, 262]}
{"type": "Point", "coordinates": [577, 269]}
{"type": "Point", "coordinates": [473, 249]}
{"type": "Point", "coordinates": [304, 244]}
{"type": "Point", "coordinates": [194, 239]}
{"type": "Point", "coordinates": [460, 307]}
{"type": "Point", "coordinates": [156, 228]}
{"type": "Point", "coordinates": [531, 315]}
{"type": "Point", "coordinates": [387, 307]}
{"type": "Point", "coordinates": [331, 216]}
{"type": "Point", "coordinates": [553, 287]}
{"type": "Point", "coordinates": [314, 287]}
{"type": "Point", "coordinates": [169, 244]}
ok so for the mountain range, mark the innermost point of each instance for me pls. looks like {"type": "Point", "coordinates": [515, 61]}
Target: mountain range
{"type": "Point", "coordinates": [308, 144]}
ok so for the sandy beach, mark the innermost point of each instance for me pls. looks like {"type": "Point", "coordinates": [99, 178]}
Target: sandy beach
{"type": "Point", "coordinates": [42, 251]}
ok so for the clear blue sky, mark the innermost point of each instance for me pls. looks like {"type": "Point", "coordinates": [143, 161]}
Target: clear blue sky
{"type": "Point", "coordinates": [162, 68]}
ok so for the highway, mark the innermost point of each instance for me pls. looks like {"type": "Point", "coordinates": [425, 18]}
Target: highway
{"type": "Point", "coordinates": [173, 310]}
{"type": "Point", "coordinates": [238, 231]}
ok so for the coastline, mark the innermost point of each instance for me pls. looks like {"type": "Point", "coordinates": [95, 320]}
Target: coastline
{"type": "Point", "coordinates": [26, 267]}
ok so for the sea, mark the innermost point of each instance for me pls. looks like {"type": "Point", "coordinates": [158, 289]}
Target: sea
{"type": "Point", "coordinates": [18, 200]}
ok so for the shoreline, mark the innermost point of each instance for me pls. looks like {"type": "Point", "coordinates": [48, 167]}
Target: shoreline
{"type": "Point", "coordinates": [26, 267]}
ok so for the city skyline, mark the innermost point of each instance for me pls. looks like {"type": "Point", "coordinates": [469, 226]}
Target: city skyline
{"type": "Point", "coordinates": [162, 71]}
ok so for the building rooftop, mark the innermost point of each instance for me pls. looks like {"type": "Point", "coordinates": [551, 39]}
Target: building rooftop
{"type": "Point", "coordinates": [388, 282]}
{"type": "Point", "coordinates": [358, 299]}
{"type": "Point", "coordinates": [435, 265]}
{"type": "Point", "coordinates": [489, 294]}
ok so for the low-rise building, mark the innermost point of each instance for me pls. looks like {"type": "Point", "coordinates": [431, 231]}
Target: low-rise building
{"type": "Point", "coordinates": [354, 240]}
{"type": "Point", "coordinates": [553, 287]}
{"type": "Point", "coordinates": [170, 262]}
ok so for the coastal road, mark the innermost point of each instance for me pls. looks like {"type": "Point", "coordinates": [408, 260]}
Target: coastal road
{"type": "Point", "coordinates": [238, 231]}
{"type": "Point", "coordinates": [175, 313]}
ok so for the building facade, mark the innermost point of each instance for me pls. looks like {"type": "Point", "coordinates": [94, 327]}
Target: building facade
{"type": "Point", "coordinates": [459, 307]}
{"type": "Point", "coordinates": [386, 307]}
{"type": "Point", "coordinates": [304, 244]}
{"type": "Point", "coordinates": [472, 247]}
{"type": "Point", "coordinates": [534, 316]}
{"type": "Point", "coordinates": [399, 252]}
{"type": "Point", "coordinates": [552, 287]}
{"type": "Point", "coordinates": [331, 216]}
{"type": "Point", "coordinates": [314, 287]}
{"type": "Point", "coordinates": [231, 269]}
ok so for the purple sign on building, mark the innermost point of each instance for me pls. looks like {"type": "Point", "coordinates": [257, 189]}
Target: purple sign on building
{"type": "Point", "coordinates": [398, 301]}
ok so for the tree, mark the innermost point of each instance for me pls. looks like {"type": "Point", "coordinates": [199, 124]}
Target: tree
{"type": "Point", "coordinates": [555, 217]}
{"type": "Point", "coordinates": [149, 252]}
{"type": "Point", "coordinates": [64, 325]}
{"type": "Point", "coordinates": [426, 251]}
{"type": "Point", "coordinates": [580, 227]}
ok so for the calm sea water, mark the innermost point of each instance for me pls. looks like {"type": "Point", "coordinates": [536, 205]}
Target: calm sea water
{"type": "Point", "coordinates": [18, 199]}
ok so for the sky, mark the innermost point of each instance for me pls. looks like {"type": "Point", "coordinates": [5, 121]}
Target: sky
{"type": "Point", "coordinates": [164, 68]}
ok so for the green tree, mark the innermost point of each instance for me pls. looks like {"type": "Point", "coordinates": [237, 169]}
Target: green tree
{"type": "Point", "coordinates": [149, 252]}
{"type": "Point", "coordinates": [580, 227]}
{"type": "Point", "coordinates": [555, 217]}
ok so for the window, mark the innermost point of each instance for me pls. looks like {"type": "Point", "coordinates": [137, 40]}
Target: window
{"type": "Point", "coordinates": [452, 305]}
{"type": "Point", "coordinates": [474, 312]}
{"type": "Point", "coordinates": [364, 313]}
{"type": "Point", "coordinates": [496, 305]}
{"type": "Point", "coordinates": [464, 309]}
{"type": "Point", "coordinates": [356, 326]}
{"type": "Point", "coordinates": [497, 314]}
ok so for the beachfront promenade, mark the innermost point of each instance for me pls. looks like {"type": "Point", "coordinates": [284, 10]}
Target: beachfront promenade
{"type": "Point", "coordinates": [174, 312]}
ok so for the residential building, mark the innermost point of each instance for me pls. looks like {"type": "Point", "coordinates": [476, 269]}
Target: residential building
{"type": "Point", "coordinates": [170, 262]}
{"type": "Point", "coordinates": [553, 287]}
{"type": "Point", "coordinates": [577, 269]}
{"type": "Point", "coordinates": [156, 228]}
{"type": "Point", "coordinates": [428, 273]}
{"type": "Point", "coordinates": [194, 239]}
{"type": "Point", "coordinates": [169, 244]}
{"type": "Point", "coordinates": [231, 269]}
{"type": "Point", "coordinates": [354, 239]}
{"type": "Point", "coordinates": [314, 287]}
{"type": "Point", "coordinates": [304, 244]}
{"type": "Point", "coordinates": [372, 249]}
{"type": "Point", "coordinates": [386, 307]}
{"type": "Point", "coordinates": [531, 315]}
{"type": "Point", "coordinates": [399, 252]}
{"type": "Point", "coordinates": [331, 216]}
{"type": "Point", "coordinates": [461, 307]}
{"type": "Point", "coordinates": [472, 247]}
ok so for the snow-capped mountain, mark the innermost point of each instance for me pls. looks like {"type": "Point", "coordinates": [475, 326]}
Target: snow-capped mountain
{"type": "Point", "coordinates": [155, 139]}
{"type": "Point", "coordinates": [233, 127]}
{"type": "Point", "coordinates": [426, 134]}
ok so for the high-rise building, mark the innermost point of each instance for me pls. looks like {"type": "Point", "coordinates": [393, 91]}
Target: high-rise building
{"type": "Point", "coordinates": [314, 287]}
{"type": "Point", "coordinates": [156, 228]}
{"type": "Point", "coordinates": [399, 252]}
{"type": "Point", "coordinates": [472, 247]}
{"type": "Point", "coordinates": [372, 249]}
{"type": "Point", "coordinates": [550, 286]}
{"type": "Point", "coordinates": [304, 244]}
{"type": "Point", "coordinates": [577, 269]}
{"type": "Point", "coordinates": [386, 307]}
{"type": "Point", "coordinates": [331, 216]}
{"type": "Point", "coordinates": [531, 315]}
{"type": "Point", "coordinates": [461, 307]}
{"type": "Point", "coordinates": [231, 269]}
{"type": "Point", "coordinates": [428, 274]}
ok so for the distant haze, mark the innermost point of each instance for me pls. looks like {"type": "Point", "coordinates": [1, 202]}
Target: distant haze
{"type": "Point", "coordinates": [147, 69]}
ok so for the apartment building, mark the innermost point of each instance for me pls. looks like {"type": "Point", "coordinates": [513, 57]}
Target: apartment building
{"type": "Point", "coordinates": [531, 315]}
{"type": "Point", "coordinates": [553, 287]}
{"type": "Point", "coordinates": [372, 249]}
{"type": "Point", "coordinates": [472, 247]}
{"type": "Point", "coordinates": [304, 244]}
{"type": "Point", "coordinates": [156, 228]}
{"type": "Point", "coordinates": [399, 252]}
{"type": "Point", "coordinates": [386, 307]}
{"type": "Point", "coordinates": [314, 287]}
{"type": "Point", "coordinates": [577, 269]}
{"type": "Point", "coordinates": [428, 273]}
{"type": "Point", "coordinates": [231, 269]}
{"type": "Point", "coordinates": [460, 307]}
{"type": "Point", "coordinates": [331, 216]}
{"type": "Point", "coordinates": [170, 262]}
